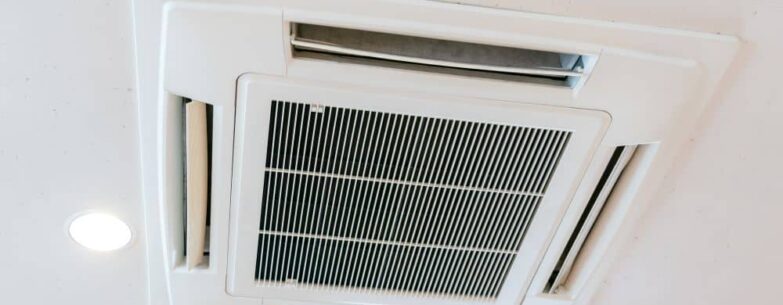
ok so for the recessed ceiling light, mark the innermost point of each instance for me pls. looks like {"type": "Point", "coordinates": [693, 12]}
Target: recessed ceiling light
{"type": "Point", "coordinates": [100, 232]}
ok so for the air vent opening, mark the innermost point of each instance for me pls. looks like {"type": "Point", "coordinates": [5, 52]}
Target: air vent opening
{"type": "Point", "coordinates": [371, 201]}
{"type": "Point", "coordinates": [437, 55]}
{"type": "Point", "coordinates": [197, 179]}
{"type": "Point", "coordinates": [620, 158]}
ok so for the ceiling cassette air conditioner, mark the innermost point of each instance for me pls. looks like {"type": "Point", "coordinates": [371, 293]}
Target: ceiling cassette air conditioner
{"type": "Point", "coordinates": [324, 152]}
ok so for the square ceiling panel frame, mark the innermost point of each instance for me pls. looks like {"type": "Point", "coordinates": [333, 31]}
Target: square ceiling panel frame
{"type": "Point", "coordinates": [255, 94]}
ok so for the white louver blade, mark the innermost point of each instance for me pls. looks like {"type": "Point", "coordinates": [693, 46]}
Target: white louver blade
{"type": "Point", "coordinates": [436, 55]}
{"type": "Point", "coordinates": [406, 204]}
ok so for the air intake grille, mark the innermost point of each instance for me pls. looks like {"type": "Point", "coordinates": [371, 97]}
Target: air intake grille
{"type": "Point", "coordinates": [400, 203]}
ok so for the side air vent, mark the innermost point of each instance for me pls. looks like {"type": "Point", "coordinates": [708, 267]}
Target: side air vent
{"type": "Point", "coordinates": [437, 55]}
{"type": "Point", "coordinates": [404, 204]}
{"type": "Point", "coordinates": [617, 163]}
{"type": "Point", "coordinates": [197, 150]}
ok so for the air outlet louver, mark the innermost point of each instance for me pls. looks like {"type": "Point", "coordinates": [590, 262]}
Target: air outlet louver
{"type": "Point", "coordinates": [197, 177]}
{"type": "Point", "coordinates": [620, 158]}
{"type": "Point", "coordinates": [405, 204]}
{"type": "Point", "coordinates": [437, 55]}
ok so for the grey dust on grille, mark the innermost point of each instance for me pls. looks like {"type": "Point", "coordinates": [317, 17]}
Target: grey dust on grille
{"type": "Point", "coordinates": [405, 204]}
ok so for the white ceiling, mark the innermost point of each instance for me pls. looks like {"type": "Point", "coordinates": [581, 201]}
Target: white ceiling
{"type": "Point", "coordinates": [69, 142]}
{"type": "Point", "coordinates": [713, 236]}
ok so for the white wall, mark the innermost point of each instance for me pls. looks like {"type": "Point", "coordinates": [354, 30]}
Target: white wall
{"type": "Point", "coordinates": [68, 142]}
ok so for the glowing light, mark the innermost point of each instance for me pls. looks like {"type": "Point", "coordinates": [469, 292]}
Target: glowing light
{"type": "Point", "coordinates": [100, 232]}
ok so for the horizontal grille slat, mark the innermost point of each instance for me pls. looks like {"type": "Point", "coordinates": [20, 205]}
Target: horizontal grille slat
{"type": "Point", "coordinates": [356, 199]}
{"type": "Point", "coordinates": [338, 265]}
{"type": "Point", "coordinates": [395, 211]}
{"type": "Point", "coordinates": [409, 148]}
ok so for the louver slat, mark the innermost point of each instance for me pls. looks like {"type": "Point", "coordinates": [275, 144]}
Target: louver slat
{"type": "Point", "coordinates": [370, 48]}
{"type": "Point", "coordinates": [358, 199]}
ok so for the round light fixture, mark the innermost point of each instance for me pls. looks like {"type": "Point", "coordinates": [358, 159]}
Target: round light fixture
{"type": "Point", "coordinates": [100, 232]}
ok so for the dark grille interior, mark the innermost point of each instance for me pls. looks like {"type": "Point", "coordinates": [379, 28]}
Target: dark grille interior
{"type": "Point", "coordinates": [406, 204]}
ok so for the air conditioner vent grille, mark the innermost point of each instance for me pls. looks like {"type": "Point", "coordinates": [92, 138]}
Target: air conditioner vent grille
{"type": "Point", "coordinates": [361, 199]}
{"type": "Point", "coordinates": [433, 55]}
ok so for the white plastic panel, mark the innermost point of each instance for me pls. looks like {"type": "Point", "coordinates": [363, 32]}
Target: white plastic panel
{"type": "Point", "coordinates": [255, 100]}
{"type": "Point", "coordinates": [198, 50]}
